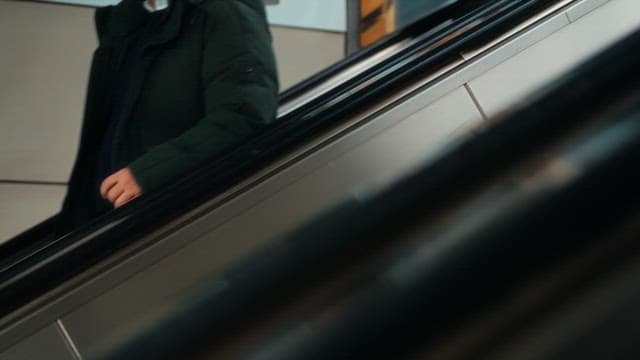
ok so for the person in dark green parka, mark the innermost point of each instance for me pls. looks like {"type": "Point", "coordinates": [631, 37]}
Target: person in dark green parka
{"type": "Point", "coordinates": [173, 85]}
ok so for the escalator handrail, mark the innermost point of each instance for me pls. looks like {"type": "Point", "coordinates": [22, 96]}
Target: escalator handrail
{"type": "Point", "coordinates": [76, 252]}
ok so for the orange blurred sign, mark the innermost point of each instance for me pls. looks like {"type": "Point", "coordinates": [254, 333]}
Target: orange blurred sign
{"type": "Point", "coordinates": [377, 19]}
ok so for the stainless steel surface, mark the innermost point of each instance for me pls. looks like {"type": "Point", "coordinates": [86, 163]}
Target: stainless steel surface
{"type": "Point", "coordinates": [529, 69]}
{"type": "Point", "coordinates": [393, 151]}
{"type": "Point", "coordinates": [584, 7]}
{"type": "Point", "coordinates": [370, 150]}
{"type": "Point", "coordinates": [45, 344]}
{"type": "Point", "coordinates": [534, 21]}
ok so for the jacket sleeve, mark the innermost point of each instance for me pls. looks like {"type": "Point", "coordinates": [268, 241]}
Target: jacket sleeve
{"type": "Point", "coordinates": [240, 92]}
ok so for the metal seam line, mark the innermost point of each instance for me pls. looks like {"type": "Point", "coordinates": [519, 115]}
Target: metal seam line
{"type": "Point", "coordinates": [32, 182]}
{"type": "Point", "coordinates": [67, 339]}
{"type": "Point", "coordinates": [476, 103]}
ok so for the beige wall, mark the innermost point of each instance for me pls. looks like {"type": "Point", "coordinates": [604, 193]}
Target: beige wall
{"type": "Point", "coordinates": [43, 70]}
{"type": "Point", "coordinates": [45, 53]}
{"type": "Point", "coordinates": [44, 60]}
{"type": "Point", "coordinates": [301, 53]}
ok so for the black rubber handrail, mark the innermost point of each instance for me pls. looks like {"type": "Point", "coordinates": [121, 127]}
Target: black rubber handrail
{"type": "Point", "coordinates": [74, 253]}
{"type": "Point", "coordinates": [606, 88]}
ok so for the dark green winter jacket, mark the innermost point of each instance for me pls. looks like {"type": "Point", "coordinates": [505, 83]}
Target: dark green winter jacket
{"type": "Point", "coordinates": [208, 82]}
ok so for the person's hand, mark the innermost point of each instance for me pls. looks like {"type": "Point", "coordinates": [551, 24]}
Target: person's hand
{"type": "Point", "coordinates": [120, 188]}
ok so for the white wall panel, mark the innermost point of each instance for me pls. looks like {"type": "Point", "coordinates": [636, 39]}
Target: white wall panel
{"type": "Point", "coordinates": [512, 80]}
{"type": "Point", "coordinates": [45, 54]}
{"type": "Point", "coordinates": [301, 53]}
{"type": "Point", "coordinates": [22, 206]}
{"type": "Point", "coordinates": [327, 15]}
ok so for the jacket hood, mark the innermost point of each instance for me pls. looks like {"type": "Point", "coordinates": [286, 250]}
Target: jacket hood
{"type": "Point", "coordinates": [122, 19]}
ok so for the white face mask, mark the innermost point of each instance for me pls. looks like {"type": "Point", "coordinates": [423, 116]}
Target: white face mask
{"type": "Point", "coordinates": [160, 5]}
